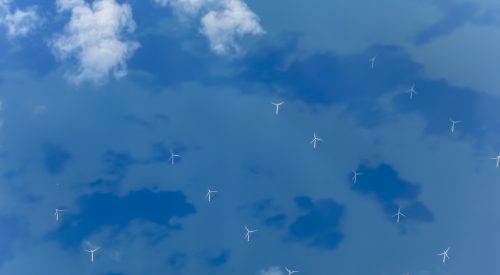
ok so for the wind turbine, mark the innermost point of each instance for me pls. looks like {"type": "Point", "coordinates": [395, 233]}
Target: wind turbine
{"type": "Point", "coordinates": [277, 104]}
{"type": "Point", "coordinates": [372, 61]}
{"type": "Point", "coordinates": [92, 251]}
{"type": "Point", "coordinates": [355, 176]}
{"type": "Point", "coordinates": [173, 156]}
{"type": "Point", "coordinates": [497, 158]}
{"type": "Point", "coordinates": [56, 213]}
{"type": "Point", "coordinates": [398, 215]}
{"type": "Point", "coordinates": [209, 194]}
{"type": "Point", "coordinates": [453, 123]}
{"type": "Point", "coordinates": [445, 255]}
{"type": "Point", "coordinates": [291, 271]}
{"type": "Point", "coordinates": [247, 235]}
{"type": "Point", "coordinates": [315, 140]}
{"type": "Point", "coordinates": [412, 91]}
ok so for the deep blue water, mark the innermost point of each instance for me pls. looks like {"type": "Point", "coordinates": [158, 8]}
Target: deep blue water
{"type": "Point", "coordinates": [98, 96]}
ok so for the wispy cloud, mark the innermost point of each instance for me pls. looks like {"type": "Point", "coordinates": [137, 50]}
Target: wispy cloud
{"type": "Point", "coordinates": [273, 270]}
{"type": "Point", "coordinates": [320, 227]}
{"type": "Point", "coordinates": [185, 6]}
{"type": "Point", "coordinates": [18, 22]}
{"type": "Point", "coordinates": [96, 37]}
{"type": "Point", "coordinates": [55, 157]}
{"type": "Point", "coordinates": [221, 27]}
{"type": "Point", "coordinates": [222, 21]}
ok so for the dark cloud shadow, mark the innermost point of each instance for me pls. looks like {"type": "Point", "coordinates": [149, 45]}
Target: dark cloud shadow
{"type": "Point", "coordinates": [383, 184]}
{"type": "Point", "coordinates": [278, 220]}
{"type": "Point", "coordinates": [328, 79]}
{"type": "Point", "coordinates": [149, 123]}
{"type": "Point", "coordinates": [101, 210]}
{"type": "Point", "coordinates": [54, 157]}
{"type": "Point", "coordinates": [177, 261]}
{"type": "Point", "coordinates": [269, 213]}
{"type": "Point", "coordinates": [220, 259]}
{"type": "Point", "coordinates": [117, 163]}
{"type": "Point", "coordinates": [319, 227]}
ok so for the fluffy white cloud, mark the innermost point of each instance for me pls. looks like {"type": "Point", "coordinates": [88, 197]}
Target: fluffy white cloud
{"type": "Point", "coordinates": [223, 26]}
{"type": "Point", "coordinates": [94, 37]}
{"type": "Point", "coordinates": [271, 271]}
{"type": "Point", "coordinates": [18, 22]}
{"type": "Point", "coordinates": [222, 21]}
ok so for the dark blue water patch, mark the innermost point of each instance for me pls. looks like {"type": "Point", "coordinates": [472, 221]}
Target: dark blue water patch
{"type": "Point", "coordinates": [384, 182]}
{"type": "Point", "coordinates": [99, 183]}
{"type": "Point", "coordinates": [177, 261]}
{"type": "Point", "coordinates": [268, 213]}
{"type": "Point", "coordinates": [107, 210]}
{"type": "Point", "coordinates": [161, 153]}
{"type": "Point", "coordinates": [319, 227]}
{"type": "Point", "coordinates": [54, 157]}
{"type": "Point", "coordinates": [139, 121]}
{"type": "Point", "coordinates": [304, 202]}
{"type": "Point", "coordinates": [257, 170]}
{"type": "Point", "coordinates": [327, 79]}
{"type": "Point", "coordinates": [392, 192]}
{"type": "Point", "coordinates": [148, 124]}
{"type": "Point", "coordinates": [14, 173]}
{"type": "Point", "coordinates": [438, 102]}
{"type": "Point", "coordinates": [419, 211]}
{"type": "Point", "coordinates": [117, 165]}
{"type": "Point", "coordinates": [32, 199]}
{"type": "Point", "coordinates": [278, 220]}
{"type": "Point", "coordinates": [221, 259]}
{"type": "Point", "coordinates": [118, 162]}
{"type": "Point", "coordinates": [261, 207]}
{"type": "Point", "coordinates": [11, 231]}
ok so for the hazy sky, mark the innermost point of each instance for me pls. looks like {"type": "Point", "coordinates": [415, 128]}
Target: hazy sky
{"type": "Point", "coordinates": [95, 94]}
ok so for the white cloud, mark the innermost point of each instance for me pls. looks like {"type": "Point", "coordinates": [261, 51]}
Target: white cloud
{"type": "Point", "coordinates": [222, 21]}
{"type": "Point", "coordinates": [271, 271]}
{"type": "Point", "coordinates": [234, 20]}
{"type": "Point", "coordinates": [94, 36]}
{"type": "Point", "coordinates": [18, 22]}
